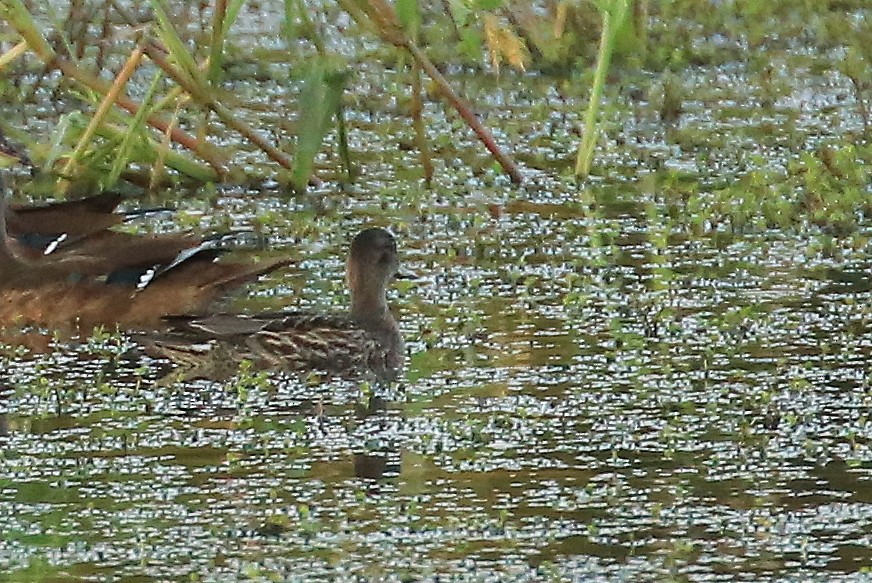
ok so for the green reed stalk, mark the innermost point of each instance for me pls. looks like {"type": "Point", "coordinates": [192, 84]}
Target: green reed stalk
{"type": "Point", "coordinates": [612, 12]}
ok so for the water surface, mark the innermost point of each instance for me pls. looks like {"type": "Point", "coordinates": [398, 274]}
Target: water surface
{"type": "Point", "coordinates": [630, 381]}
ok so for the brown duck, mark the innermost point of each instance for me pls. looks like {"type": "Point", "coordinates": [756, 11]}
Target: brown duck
{"type": "Point", "coordinates": [109, 278]}
{"type": "Point", "coordinates": [81, 227]}
{"type": "Point", "coordinates": [365, 340]}
{"type": "Point", "coordinates": [35, 228]}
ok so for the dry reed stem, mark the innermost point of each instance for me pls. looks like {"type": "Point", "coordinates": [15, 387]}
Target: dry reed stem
{"type": "Point", "coordinates": [382, 16]}
{"type": "Point", "coordinates": [12, 54]}
{"type": "Point", "coordinates": [105, 105]}
{"type": "Point", "coordinates": [201, 96]}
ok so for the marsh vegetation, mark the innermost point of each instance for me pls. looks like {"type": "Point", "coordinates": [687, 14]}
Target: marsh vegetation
{"type": "Point", "coordinates": [657, 370]}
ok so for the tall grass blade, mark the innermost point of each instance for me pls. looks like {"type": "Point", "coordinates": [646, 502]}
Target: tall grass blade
{"type": "Point", "coordinates": [12, 54]}
{"type": "Point", "coordinates": [145, 151]}
{"type": "Point", "coordinates": [409, 14]}
{"type": "Point", "coordinates": [158, 168]}
{"type": "Point", "coordinates": [104, 107]}
{"type": "Point", "coordinates": [177, 49]}
{"type": "Point", "coordinates": [135, 133]}
{"type": "Point", "coordinates": [14, 12]}
{"type": "Point", "coordinates": [57, 140]}
{"type": "Point", "coordinates": [225, 15]}
{"type": "Point", "coordinates": [319, 102]}
{"type": "Point", "coordinates": [216, 44]}
{"type": "Point", "coordinates": [613, 13]}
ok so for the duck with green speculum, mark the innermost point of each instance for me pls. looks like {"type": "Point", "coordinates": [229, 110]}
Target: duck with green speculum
{"type": "Point", "coordinates": [366, 340]}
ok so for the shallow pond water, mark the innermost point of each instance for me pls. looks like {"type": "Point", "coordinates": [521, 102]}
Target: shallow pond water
{"type": "Point", "coordinates": [601, 385]}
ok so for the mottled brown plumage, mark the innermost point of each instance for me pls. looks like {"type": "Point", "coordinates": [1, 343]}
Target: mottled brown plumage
{"type": "Point", "coordinates": [364, 340]}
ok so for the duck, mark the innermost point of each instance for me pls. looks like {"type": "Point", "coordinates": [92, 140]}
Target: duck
{"type": "Point", "coordinates": [108, 278]}
{"type": "Point", "coordinates": [83, 226]}
{"type": "Point", "coordinates": [38, 229]}
{"type": "Point", "coordinates": [365, 340]}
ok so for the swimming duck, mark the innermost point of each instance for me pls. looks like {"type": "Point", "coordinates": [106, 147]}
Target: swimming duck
{"type": "Point", "coordinates": [114, 279]}
{"type": "Point", "coordinates": [35, 229]}
{"type": "Point", "coordinates": [364, 340]}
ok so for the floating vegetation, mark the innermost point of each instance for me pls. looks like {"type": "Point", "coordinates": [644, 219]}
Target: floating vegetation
{"type": "Point", "coordinates": [661, 373]}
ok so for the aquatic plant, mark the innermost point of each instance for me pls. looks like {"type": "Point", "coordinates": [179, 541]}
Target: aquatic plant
{"type": "Point", "coordinates": [196, 81]}
{"type": "Point", "coordinates": [613, 13]}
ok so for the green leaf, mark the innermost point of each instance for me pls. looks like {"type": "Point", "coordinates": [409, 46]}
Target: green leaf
{"type": "Point", "coordinates": [488, 4]}
{"type": "Point", "coordinates": [219, 35]}
{"type": "Point", "coordinates": [233, 9]}
{"type": "Point", "coordinates": [319, 102]}
{"type": "Point", "coordinates": [176, 47]}
{"type": "Point", "coordinates": [460, 12]}
{"type": "Point", "coordinates": [135, 132]}
{"type": "Point", "coordinates": [409, 13]}
{"type": "Point", "coordinates": [291, 30]}
{"type": "Point", "coordinates": [470, 43]}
